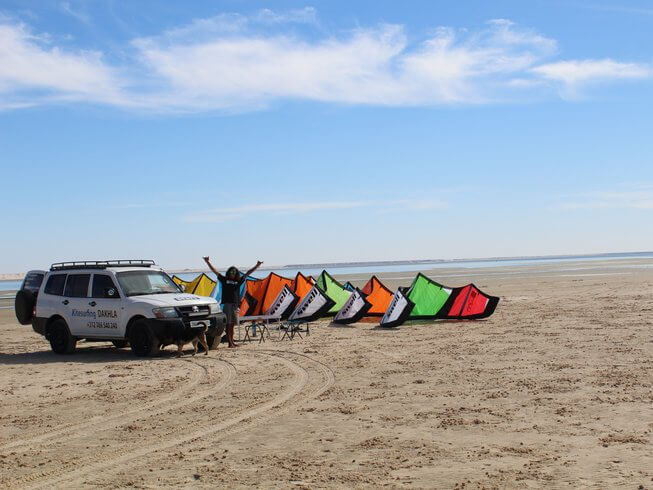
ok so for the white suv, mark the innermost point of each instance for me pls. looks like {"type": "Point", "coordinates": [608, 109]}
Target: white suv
{"type": "Point", "coordinates": [122, 301]}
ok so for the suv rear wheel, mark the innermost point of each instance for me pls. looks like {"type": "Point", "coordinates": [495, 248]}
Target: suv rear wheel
{"type": "Point", "coordinates": [142, 340]}
{"type": "Point", "coordinates": [60, 339]}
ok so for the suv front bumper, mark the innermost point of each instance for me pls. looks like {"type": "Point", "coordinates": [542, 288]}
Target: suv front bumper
{"type": "Point", "coordinates": [171, 330]}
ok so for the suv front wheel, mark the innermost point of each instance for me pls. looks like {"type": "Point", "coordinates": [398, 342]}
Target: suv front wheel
{"type": "Point", "coordinates": [142, 340]}
{"type": "Point", "coordinates": [60, 339]}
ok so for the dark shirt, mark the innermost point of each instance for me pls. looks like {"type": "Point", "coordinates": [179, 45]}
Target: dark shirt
{"type": "Point", "coordinates": [230, 289]}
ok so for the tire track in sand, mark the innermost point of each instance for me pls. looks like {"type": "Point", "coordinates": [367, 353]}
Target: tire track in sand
{"type": "Point", "coordinates": [108, 421]}
{"type": "Point", "coordinates": [325, 381]}
{"type": "Point", "coordinates": [116, 421]}
{"type": "Point", "coordinates": [241, 422]}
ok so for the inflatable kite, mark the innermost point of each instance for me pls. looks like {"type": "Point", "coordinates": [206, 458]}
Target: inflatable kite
{"type": "Point", "coordinates": [303, 299]}
{"type": "Point", "coordinates": [259, 295]}
{"type": "Point", "coordinates": [202, 285]}
{"type": "Point", "coordinates": [314, 305]}
{"type": "Point", "coordinates": [372, 300]}
{"type": "Point", "coordinates": [427, 299]}
{"type": "Point", "coordinates": [355, 308]}
{"type": "Point", "coordinates": [378, 295]}
{"type": "Point", "coordinates": [302, 285]}
{"type": "Point", "coordinates": [468, 303]}
{"type": "Point", "coordinates": [284, 304]}
{"type": "Point", "coordinates": [334, 290]}
{"type": "Point", "coordinates": [247, 304]}
{"type": "Point", "coordinates": [398, 310]}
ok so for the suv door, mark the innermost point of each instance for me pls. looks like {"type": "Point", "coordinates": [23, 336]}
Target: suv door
{"type": "Point", "coordinates": [79, 315]}
{"type": "Point", "coordinates": [106, 303]}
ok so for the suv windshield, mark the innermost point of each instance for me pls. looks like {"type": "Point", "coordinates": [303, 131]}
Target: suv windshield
{"type": "Point", "coordinates": [136, 283]}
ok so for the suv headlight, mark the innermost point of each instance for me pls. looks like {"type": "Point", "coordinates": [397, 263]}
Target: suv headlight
{"type": "Point", "coordinates": [165, 312]}
{"type": "Point", "coordinates": [214, 308]}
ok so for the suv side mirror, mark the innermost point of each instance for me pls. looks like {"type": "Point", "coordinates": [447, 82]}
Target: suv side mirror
{"type": "Point", "coordinates": [110, 293]}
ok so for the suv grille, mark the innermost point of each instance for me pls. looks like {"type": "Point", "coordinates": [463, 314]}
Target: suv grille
{"type": "Point", "coordinates": [194, 312]}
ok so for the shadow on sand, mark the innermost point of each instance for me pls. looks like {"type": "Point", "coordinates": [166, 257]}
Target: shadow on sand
{"type": "Point", "coordinates": [429, 323]}
{"type": "Point", "coordinates": [340, 325]}
{"type": "Point", "coordinates": [83, 354]}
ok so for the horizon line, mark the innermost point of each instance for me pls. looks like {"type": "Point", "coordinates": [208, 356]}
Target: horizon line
{"type": "Point", "coordinates": [431, 261]}
{"type": "Point", "coordinates": [401, 262]}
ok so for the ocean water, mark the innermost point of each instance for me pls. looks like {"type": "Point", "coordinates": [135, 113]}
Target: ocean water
{"type": "Point", "coordinates": [9, 285]}
{"type": "Point", "coordinates": [412, 267]}
{"type": "Point", "coordinates": [425, 266]}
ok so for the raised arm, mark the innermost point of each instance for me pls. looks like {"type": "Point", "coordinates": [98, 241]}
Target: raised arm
{"type": "Point", "coordinates": [208, 262]}
{"type": "Point", "coordinates": [249, 272]}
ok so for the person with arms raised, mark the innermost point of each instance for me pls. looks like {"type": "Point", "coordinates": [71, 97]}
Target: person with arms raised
{"type": "Point", "coordinates": [231, 283]}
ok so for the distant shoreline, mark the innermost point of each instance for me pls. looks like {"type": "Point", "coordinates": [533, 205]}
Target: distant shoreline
{"type": "Point", "coordinates": [327, 265]}
{"type": "Point", "coordinates": [456, 261]}
{"type": "Point", "coordinates": [12, 277]}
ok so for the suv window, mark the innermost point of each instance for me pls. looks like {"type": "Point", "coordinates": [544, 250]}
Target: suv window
{"type": "Point", "coordinates": [33, 281]}
{"type": "Point", "coordinates": [103, 283]}
{"type": "Point", "coordinates": [55, 284]}
{"type": "Point", "coordinates": [77, 285]}
{"type": "Point", "coordinates": [136, 283]}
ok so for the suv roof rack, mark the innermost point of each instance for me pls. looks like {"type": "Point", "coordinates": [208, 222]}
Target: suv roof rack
{"type": "Point", "coordinates": [101, 264]}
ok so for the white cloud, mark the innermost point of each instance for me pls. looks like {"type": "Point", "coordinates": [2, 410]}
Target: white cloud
{"type": "Point", "coordinates": [370, 66]}
{"type": "Point", "coordinates": [79, 15]}
{"type": "Point", "coordinates": [578, 72]}
{"type": "Point", "coordinates": [32, 72]}
{"type": "Point", "coordinates": [306, 15]}
{"type": "Point", "coordinates": [636, 197]}
{"type": "Point", "coordinates": [222, 214]}
{"type": "Point", "coordinates": [419, 204]}
{"type": "Point", "coordinates": [231, 62]}
{"type": "Point", "coordinates": [229, 24]}
{"type": "Point", "coordinates": [238, 212]}
{"type": "Point", "coordinates": [200, 30]}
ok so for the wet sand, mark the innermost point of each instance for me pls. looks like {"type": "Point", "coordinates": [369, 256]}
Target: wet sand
{"type": "Point", "coordinates": [554, 390]}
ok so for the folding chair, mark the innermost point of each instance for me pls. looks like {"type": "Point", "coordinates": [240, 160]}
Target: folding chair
{"type": "Point", "coordinates": [262, 322]}
{"type": "Point", "coordinates": [294, 327]}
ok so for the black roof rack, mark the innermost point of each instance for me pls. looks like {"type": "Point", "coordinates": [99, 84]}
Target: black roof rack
{"type": "Point", "coordinates": [100, 264]}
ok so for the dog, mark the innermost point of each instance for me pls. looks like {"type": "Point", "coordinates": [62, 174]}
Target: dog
{"type": "Point", "coordinates": [195, 336]}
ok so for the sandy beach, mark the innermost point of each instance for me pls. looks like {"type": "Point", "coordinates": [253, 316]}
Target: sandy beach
{"type": "Point", "coordinates": [554, 390]}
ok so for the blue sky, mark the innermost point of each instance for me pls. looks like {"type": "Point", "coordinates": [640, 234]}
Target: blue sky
{"type": "Point", "coordinates": [301, 132]}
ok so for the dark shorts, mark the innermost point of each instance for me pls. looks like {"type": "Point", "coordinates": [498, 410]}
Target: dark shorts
{"type": "Point", "coordinates": [231, 311]}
